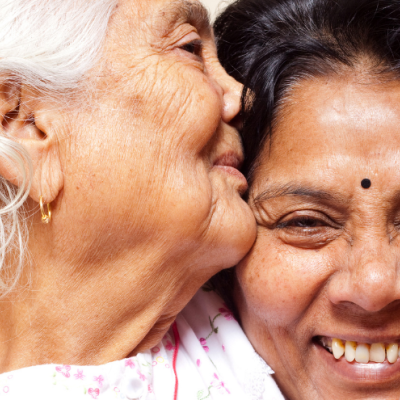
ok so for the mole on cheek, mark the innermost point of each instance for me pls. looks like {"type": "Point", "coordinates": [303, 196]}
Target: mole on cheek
{"type": "Point", "coordinates": [366, 183]}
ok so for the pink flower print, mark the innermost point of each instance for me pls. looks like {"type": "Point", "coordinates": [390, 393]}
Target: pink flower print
{"type": "Point", "coordinates": [223, 347]}
{"type": "Point", "coordinates": [129, 363]}
{"type": "Point", "coordinates": [203, 342]}
{"type": "Point", "coordinates": [228, 315]}
{"type": "Point", "coordinates": [99, 379]}
{"type": "Point", "coordinates": [79, 375]}
{"type": "Point", "coordinates": [94, 393]}
{"type": "Point", "coordinates": [6, 389]}
{"type": "Point", "coordinates": [150, 390]}
{"type": "Point", "coordinates": [219, 385]}
{"type": "Point", "coordinates": [169, 346]}
{"type": "Point", "coordinates": [141, 376]}
{"type": "Point", "coordinates": [198, 362]}
{"type": "Point", "coordinates": [64, 370]}
{"type": "Point", "coordinates": [155, 350]}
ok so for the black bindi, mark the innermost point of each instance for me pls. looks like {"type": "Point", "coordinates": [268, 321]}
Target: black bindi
{"type": "Point", "coordinates": [366, 183]}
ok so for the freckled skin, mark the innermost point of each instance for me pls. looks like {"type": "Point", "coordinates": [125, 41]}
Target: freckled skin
{"type": "Point", "coordinates": [324, 267]}
{"type": "Point", "coordinates": [141, 217]}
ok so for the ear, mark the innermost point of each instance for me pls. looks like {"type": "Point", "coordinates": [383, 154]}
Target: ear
{"type": "Point", "coordinates": [27, 119]}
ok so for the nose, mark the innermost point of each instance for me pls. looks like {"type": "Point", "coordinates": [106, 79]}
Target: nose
{"type": "Point", "coordinates": [369, 278]}
{"type": "Point", "coordinates": [232, 92]}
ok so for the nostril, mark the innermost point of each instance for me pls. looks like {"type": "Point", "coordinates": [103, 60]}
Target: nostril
{"type": "Point", "coordinates": [368, 286]}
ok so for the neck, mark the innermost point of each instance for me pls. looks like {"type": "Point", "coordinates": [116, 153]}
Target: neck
{"type": "Point", "coordinates": [90, 313]}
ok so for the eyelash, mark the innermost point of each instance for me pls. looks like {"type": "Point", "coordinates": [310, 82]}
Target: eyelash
{"type": "Point", "coordinates": [306, 221]}
{"type": "Point", "coordinates": [194, 47]}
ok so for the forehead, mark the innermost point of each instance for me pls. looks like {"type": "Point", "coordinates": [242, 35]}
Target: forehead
{"type": "Point", "coordinates": [328, 116]}
{"type": "Point", "coordinates": [334, 132]}
{"type": "Point", "coordinates": [163, 15]}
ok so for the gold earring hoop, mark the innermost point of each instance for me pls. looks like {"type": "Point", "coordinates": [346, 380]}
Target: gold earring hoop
{"type": "Point", "coordinates": [46, 218]}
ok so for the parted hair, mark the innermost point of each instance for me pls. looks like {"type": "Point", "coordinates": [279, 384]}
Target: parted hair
{"type": "Point", "coordinates": [272, 45]}
{"type": "Point", "coordinates": [48, 45]}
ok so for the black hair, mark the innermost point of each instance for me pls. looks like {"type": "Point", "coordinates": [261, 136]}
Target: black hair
{"type": "Point", "coordinates": [270, 45]}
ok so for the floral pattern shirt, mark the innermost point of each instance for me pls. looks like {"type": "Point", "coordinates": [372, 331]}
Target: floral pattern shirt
{"type": "Point", "coordinates": [214, 361]}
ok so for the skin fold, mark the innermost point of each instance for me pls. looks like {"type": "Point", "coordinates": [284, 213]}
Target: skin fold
{"type": "Point", "coordinates": [327, 258]}
{"type": "Point", "coordinates": [143, 211]}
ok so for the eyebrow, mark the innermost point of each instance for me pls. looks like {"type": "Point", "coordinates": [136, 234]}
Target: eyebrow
{"type": "Point", "coordinates": [187, 11]}
{"type": "Point", "coordinates": [296, 190]}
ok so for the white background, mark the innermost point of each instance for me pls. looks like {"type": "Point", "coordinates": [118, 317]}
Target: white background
{"type": "Point", "coordinates": [215, 5]}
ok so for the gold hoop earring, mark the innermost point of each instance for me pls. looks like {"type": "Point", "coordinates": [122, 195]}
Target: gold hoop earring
{"type": "Point", "coordinates": [46, 218]}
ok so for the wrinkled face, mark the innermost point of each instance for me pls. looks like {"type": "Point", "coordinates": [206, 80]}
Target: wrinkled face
{"type": "Point", "coordinates": [155, 157]}
{"type": "Point", "coordinates": [323, 276]}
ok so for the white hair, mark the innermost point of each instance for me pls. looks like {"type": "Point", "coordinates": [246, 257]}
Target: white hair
{"type": "Point", "coordinates": [49, 45]}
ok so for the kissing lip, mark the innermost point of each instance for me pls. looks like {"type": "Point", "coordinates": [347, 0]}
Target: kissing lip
{"type": "Point", "coordinates": [230, 163]}
{"type": "Point", "coordinates": [229, 159]}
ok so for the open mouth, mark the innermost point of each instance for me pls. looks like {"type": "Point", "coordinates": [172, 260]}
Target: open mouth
{"type": "Point", "coordinates": [360, 352]}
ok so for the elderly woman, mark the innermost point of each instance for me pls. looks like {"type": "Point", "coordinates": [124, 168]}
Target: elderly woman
{"type": "Point", "coordinates": [319, 294]}
{"type": "Point", "coordinates": [120, 194]}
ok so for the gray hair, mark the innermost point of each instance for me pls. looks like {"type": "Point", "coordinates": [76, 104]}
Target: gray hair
{"type": "Point", "coordinates": [49, 45]}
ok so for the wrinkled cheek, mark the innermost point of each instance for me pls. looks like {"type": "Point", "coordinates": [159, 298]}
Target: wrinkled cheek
{"type": "Point", "coordinates": [195, 112]}
{"type": "Point", "coordinates": [181, 109]}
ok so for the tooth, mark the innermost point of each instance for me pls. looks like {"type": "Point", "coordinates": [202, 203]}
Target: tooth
{"type": "Point", "coordinates": [337, 348]}
{"type": "Point", "coordinates": [350, 351]}
{"type": "Point", "coordinates": [362, 353]}
{"type": "Point", "coordinates": [392, 351]}
{"type": "Point", "coordinates": [327, 343]}
{"type": "Point", "coordinates": [377, 352]}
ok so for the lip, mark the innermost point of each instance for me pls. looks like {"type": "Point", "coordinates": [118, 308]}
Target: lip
{"type": "Point", "coordinates": [230, 162]}
{"type": "Point", "coordinates": [379, 338]}
{"type": "Point", "coordinates": [229, 159]}
{"type": "Point", "coordinates": [357, 375]}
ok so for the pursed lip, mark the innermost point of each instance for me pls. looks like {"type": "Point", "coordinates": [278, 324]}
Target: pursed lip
{"type": "Point", "coordinates": [229, 159]}
{"type": "Point", "coordinates": [229, 162]}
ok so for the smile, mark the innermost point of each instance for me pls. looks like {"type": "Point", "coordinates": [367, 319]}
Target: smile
{"type": "Point", "coordinates": [360, 352]}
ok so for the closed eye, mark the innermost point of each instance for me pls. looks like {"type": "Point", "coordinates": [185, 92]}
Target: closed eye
{"type": "Point", "coordinates": [194, 47]}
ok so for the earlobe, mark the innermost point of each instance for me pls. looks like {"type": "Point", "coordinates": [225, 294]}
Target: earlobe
{"type": "Point", "coordinates": [26, 120]}
{"type": "Point", "coordinates": [47, 179]}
